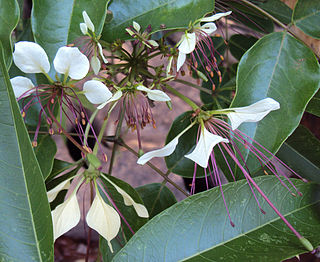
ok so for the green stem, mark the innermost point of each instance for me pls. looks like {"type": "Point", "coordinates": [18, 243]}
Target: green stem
{"type": "Point", "coordinates": [193, 85]}
{"type": "Point", "coordinates": [88, 126]}
{"type": "Point", "coordinates": [118, 131]}
{"type": "Point", "coordinates": [48, 77]}
{"type": "Point", "coordinates": [182, 97]}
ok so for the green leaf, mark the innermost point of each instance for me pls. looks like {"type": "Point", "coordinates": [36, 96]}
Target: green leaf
{"type": "Point", "coordinates": [9, 17]}
{"type": "Point", "coordinates": [45, 152]}
{"type": "Point", "coordinates": [157, 13]}
{"type": "Point", "coordinates": [301, 152]}
{"type": "Point", "coordinates": [56, 23]}
{"type": "Point", "coordinates": [25, 219]}
{"type": "Point", "coordinates": [58, 167]}
{"type": "Point", "coordinates": [157, 197]}
{"type": "Point", "coordinates": [283, 68]}
{"type": "Point", "coordinates": [239, 44]}
{"type": "Point", "coordinates": [277, 9]}
{"type": "Point", "coordinates": [306, 16]}
{"type": "Point", "coordinates": [198, 229]}
{"type": "Point", "coordinates": [314, 105]}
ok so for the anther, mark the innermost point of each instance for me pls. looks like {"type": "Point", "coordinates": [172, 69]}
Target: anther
{"type": "Point", "coordinates": [222, 58]}
{"type": "Point", "coordinates": [51, 131]}
{"type": "Point", "coordinates": [23, 114]}
{"type": "Point", "coordinates": [82, 115]}
{"type": "Point", "coordinates": [211, 74]}
{"type": "Point", "coordinates": [265, 172]}
{"type": "Point", "coordinates": [83, 121]}
{"type": "Point", "coordinates": [34, 143]}
{"type": "Point", "coordinates": [49, 121]}
{"type": "Point", "coordinates": [196, 64]}
{"type": "Point", "coordinates": [52, 100]}
{"type": "Point", "coordinates": [213, 87]}
{"type": "Point", "coordinates": [88, 149]}
{"type": "Point", "coordinates": [208, 68]}
{"type": "Point", "coordinates": [105, 157]}
{"type": "Point", "coordinates": [76, 121]}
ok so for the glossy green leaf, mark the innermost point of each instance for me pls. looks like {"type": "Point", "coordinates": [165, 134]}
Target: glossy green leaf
{"type": "Point", "coordinates": [56, 23]}
{"type": "Point", "coordinates": [25, 219]}
{"type": "Point", "coordinates": [198, 228]}
{"type": "Point", "coordinates": [128, 212]}
{"type": "Point", "coordinates": [58, 167]}
{"type": "Point", "coordinates": [283, 68]}
{"type": "Point", "coordinates": [157, 13]}
{"type": "Point", "coordinates": [45, 152]}
{"type": "Point", "coordinates": [301, 152]}
{"type": "Point", "coordinates": [306, 16]}
{"type": "Point", "coordinates": [156, 197]}
{"type": "Point", "coordinates": [239, 44]}
{"type": "Point", "coordinates": [277, 9]}
{"type": "Point", "coordinates": [314, 105]}
{"type": "Point", "coordinates": [9, 17]}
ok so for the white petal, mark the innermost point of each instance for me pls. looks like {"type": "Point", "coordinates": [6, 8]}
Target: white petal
{"type": "Point", "coordinates": [215, 17]}
{"type": "Point", "coordinates": [21, 85]}
{"type": "Point", "coordinates": [69, 60]}
{"type": "Point", "coordinates": [204, 147]}
{"type": "Point", "coordinates": [168, 69]}
{"type": "Point", "coordinates": [96, 92]}
{"type": "Point", "coordinates": [95, 64]}
{"type": "Point", "coordinates": [65, 216]}
{"type": "Point", "coordinates": [117, 95]}
{"type": "Point", "coordinates": [208, 28]}
{"type": "Point", "coordinates": [188, 43]}
{"type": "Point", "coordinates": [88, 21]}
{"type": "Point", "coordinates": [52, 194]}
{"type": "Point", "coordinates": [84, 28]}
{"type": "Point", "coordinates": [136, 26]}
{"type": "Point", "coordinates": [30, 57]}
{"type": "Point", "coordinates": [181, 59]}
{"type": "Point", "coordinates": [104, 219]}
{"type": "Point", "coordinates": [140, 209]}
{"type": "Point", "coordinates": [165, 151]}
{"type": "Point", "coordinates": [155, 95]}
{"type": "Point", "coordinates": [153, 43]}
{"type": "Point", "coordinates": [252, 113]}
{"type": "Point", "coordinates": [101, 54]}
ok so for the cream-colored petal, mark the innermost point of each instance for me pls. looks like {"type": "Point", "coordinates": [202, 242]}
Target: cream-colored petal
{"type": "Point", "coordinates": [21, 86]}
{"type": "Point", "coordinates": [204, 147]}
{"type": "Point", "coordinates": [208, 28]}
{"type": "Point", "coordinates": [101, 53]}
{"type": "Point", "coordinates": [88, 21]}
{"type": "Point", "coordinates": [52, 194]}
{"type": "Point", "coordinates": [136, 26]}
{"type": "Point", "coordinates": [215, 17]}
{"type": "Point", "coordinates": [117, 95]}
{"type": "Point", "coordinates": [188, 43]}
{"type": "Point", "coordinates": [65, 216]}
{"type": "Point", "coordinates": [168, 69]}
{"type": "Point", "coordinates": [96, 92]}
{"type": "Point", "coordinates": [252, 113]}
{"type": "Point", "coordinates": [70, 61]}
{"type": "Point", "coordinates": [181, 59]}
{"type": "Point", "coordinates": [128, 201]}
{"type": "Point", "coordinates": [104, 219]}
{"type": "Point", "coordinates": [84, 28]}
{"type": "Point", "coordinates": [155, 95]}
{"type": "Point", "coordinates": [95, 64]}
{"type": "Point", "coordinates": [30, 57]}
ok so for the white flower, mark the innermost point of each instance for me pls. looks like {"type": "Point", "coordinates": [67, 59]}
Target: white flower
{"type": "Point", "coordinates": [22, 86]}
{"type": "Point", "coordinates": [104, 219]}
{"type": "Point", "coordinates": [155, 95]}
{"type": "Point", "coordinates": [167, 150]}
{"type": "Point", "coordinates": [204, 147]}
{"type": "Point", "coordinates": [65, 216]}
{"type": "Point", "coordinates": [128, 201]}
{"type": "Point", "coordinates": [96, 92]}
{"type": "Point", "coordinates": [189, 40]}
{"type": "Point", "coordinates": [252, 113]}
{"type": "Point", "coordinates": [116, 96]}
{"type": "Point", "coordinates": [87, 23]}
{"type": "Point", "coordinates": [30, 57]}
{"type": "Point", "coordinates": [70, 61]}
